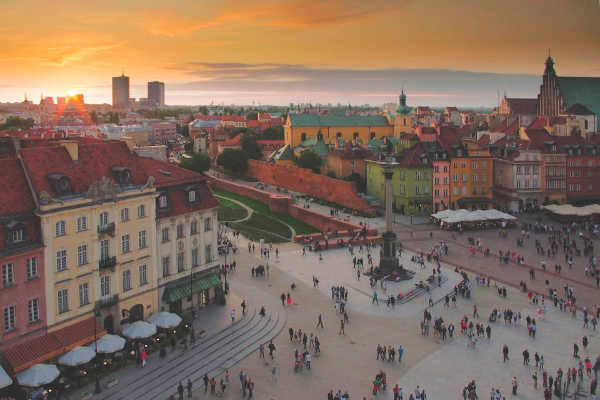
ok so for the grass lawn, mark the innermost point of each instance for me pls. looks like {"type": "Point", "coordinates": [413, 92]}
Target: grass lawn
{"type": "Point", "coordinates": [230, 211]}
{"type": "Point", "coordinates": [299, 226]}
{"type": "Point", "coordinates": [256, 234]}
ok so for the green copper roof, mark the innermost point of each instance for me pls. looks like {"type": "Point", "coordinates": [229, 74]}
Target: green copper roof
{"type": "Point", "coordinates": [585, 91]}
{"type": "Point", "coordinates": [337, 120]}
{"type": "Point", "coordinates": [318, 146]}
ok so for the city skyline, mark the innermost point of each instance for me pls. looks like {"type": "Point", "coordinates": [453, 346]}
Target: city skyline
{"type": "Point", "coordinates": [279, 52]}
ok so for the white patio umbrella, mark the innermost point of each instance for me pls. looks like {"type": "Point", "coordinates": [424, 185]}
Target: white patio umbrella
{"type": "Point", "coordinates": [139, 330]}
{"type": "Point", "coordinates": [5, 380]}
{"type": "Point", "coordinates": [108, 344]}
{"type": "Point", "coordinates": [165, 319]}
{"type": "Point", "coordinates": [38, 375]}
{"type": "Point", "coordinates": [77, 356]}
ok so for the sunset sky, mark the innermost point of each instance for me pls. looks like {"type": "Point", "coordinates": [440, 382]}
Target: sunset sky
{"type": "Point", "coordinates": [453, 52]}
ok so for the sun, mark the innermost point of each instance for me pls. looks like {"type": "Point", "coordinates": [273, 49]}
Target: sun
{"type": "Point", "coordinates": [71, 92]}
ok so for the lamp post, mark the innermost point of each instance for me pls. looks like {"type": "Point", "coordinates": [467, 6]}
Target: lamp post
{"type": "Point", "coordinates": [98, 389]}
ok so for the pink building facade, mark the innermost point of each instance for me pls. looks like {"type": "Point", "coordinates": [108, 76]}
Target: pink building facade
{"type": "Point", "coordinates": [441, 185]}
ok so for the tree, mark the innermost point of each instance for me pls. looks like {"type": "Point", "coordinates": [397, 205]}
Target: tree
{"type": "Point", "coordinates": [114, 118]}
{"type": "Point", "coordinates": [273, 133]}
{"type": "Point", "coordinates": [183, 129]}
{"type": "Point", "coordinates": [234, 160]}
{"type": "Point", "coordinates": [203, 110]}
{"type": "Point", "coordinates": [361, 183]}
{"type": "Point", "coordinates": [94, 117]}
{"type": "Point", "coordinates": [252, 116]}
{"type": "Point", "coordinates": [15, 123]}
{"type": "Point", "coordinates": [309, 159]}
{"type": "Point", "coordinates": [251, 147]}
{"type": "Point", "coordinates": [199, 162]}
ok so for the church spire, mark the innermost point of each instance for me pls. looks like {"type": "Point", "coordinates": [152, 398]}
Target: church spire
{"type": "Point", "coordinates": [549, 65]}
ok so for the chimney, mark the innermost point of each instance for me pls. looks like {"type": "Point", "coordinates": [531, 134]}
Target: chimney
{"type": "Point", "coordinates": [72, 148]}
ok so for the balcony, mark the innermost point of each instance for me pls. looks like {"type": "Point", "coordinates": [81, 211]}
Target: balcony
{"type": "Point", "coordinates": [107, 302]}
{"type": "Point", "coordinates": [108, 229]}
{"type": "Point", "coordinates": [108, 262]}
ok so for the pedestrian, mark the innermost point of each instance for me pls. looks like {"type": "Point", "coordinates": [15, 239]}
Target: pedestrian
{"type": "Point", "coordinates": [143, 356]}
{"type": "Point", "coordinates": [400, 353]}
{"type": "Point", "coordinates": [243, 305]}
{"type": "Point", "coordinates": [342, 327]}
{"type": "Point", "coordinates": [233, 315]}
{"type": "Point", "coordinates": [271, 349]}
{"type": "Point", "coordinates": [505, 353]}
{"type": "Point", "coordinates": [261, 350]}
{"type": "Point", "coordinates": [180, 390]}
{"type": "Point", "coordinates": [205, 380]}
{"type": "Point", "coordinates": [320, 322]}
{"type": "Point", "coordinates": [575, 350]}
{"type": "Point", "coordinates": [189, 388]}
{"type": "Point", "coordinates": [514, 385]}
{"type": "Point", "coordinates": [213, 385]}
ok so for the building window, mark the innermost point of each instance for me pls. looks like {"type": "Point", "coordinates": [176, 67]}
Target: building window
{"type": "Point", "coordinates": [126, 280]}
{"type": "Point", "coordinates": [207, 224]}
{"type": "Point", "coordinates": [474, 191]}
{"type": "Point", "coordinates": [475, 177]}
{"type": "Point", "coordinates": [125, 215]}
{"type": "Point", "coordinates": [33, 310]}
{"type": "Point", "coordinates": [518, 170]}
{"type": "Point", "coordinates": [61, 260]}
{"type": "Point", "coordinates": [84, 296]}
{"type": "Point", "coordinates": [417, 191]}
{"type": "Point", "coordinates": [163, 201]}
{"type": "Point", "coordinates": [82, 224]}
{"type": "Point", "coordinates": [483, 191]}
{"type": "Point", "coordinates": [455, 177]}
{"type": "Point", "coordinates": [446, 193]}
{"type": "Point", "coordinates": [464, 177]}
{"type": "Point", "coordinates": [194, 257]}
{"type": "Point", "coordinates": [143, 271]}
{"type": "Point", "coordinates": [82, 255]}
{"type": "Point", "coordinates": [426, 189]}
{"type": "Point", "coordinates": [483, 177]}
{"type": "Point", "coordinates": [63, 301]}
{"type": "Point", "coordinates": [208, 253]}
{"type": "Point", "coordinates": [518, 184]}
{"type": "Point", "coordinates": [103, 218]}
{"type": "Point", "coordinates": [31, 267]}
{"type": "Point", "coordinates": [104, 249]}
{"type": "Point", "coordinates": [192, 196]}
{"type": "Point", "coordinates": [193, 227]}
{"type": "Point", "coordinates": [445, 168]}
{"type": "Point", "coordinates": [464, 190]}
{"type": "Point", "coordinates": [61, 229]}
{"type": "Point", "coordinates": [142, 240]}
{"type": "Point", "coordinates": [9, 318]}
{"type": "Point", "coordinates": [125, 243]}
{"type": "Point", "coordinates": [180, 265]}
{"type": "Point", "coordinates": [165, 266]}
{"type": "Point", "coordinates": [455, 190]}
{"type": "Point", "coordinates": [165, 235]}
{"type": "Point", "coordinates": [8, 277]}
{"type": "Point", "coordinates": [474, 164]}
{"type": "Point", "coordinates": [445, 180]}
{"type": "Point", "coordinates": [436, 193]}
{"type": "Point", "coordinates": [141, 211]}
{"type": "Point", "coordinates": [17, 235]}
{"type": "Point", "coordinates": [105, 285]}
{"type": "Point", "coordinates": [402, 189]}
{"type": "Point", "coordinates": [180, 231]}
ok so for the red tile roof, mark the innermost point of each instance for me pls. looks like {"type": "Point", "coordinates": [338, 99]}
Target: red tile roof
{"type": "Point", "coordinates": [522, 106]}
{"type": "Point", "coordinates": [15, 196]}
{"type": "Point", "coordinates": [506, 128]}
{"type": "Point", "coordinates": [234, 141]}
{"type": "Point", "coordinates": [484, 140]}
{"type": "Point", "coordinates": [538, 123]}
{"type": "Point", "coordinates": [412, 157]}
{"type": "Point", "coordinates": [51, 345]}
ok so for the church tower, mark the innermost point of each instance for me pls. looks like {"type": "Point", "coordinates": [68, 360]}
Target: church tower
{"type": "Point", "coordinates": [549, 99]}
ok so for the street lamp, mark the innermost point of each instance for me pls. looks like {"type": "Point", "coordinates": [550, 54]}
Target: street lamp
{"type": "Point", "coordinates": [96, 312]}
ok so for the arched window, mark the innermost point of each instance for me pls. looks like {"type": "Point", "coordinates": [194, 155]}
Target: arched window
{"type": "Point", "coordinates": [303, 136]}
{"type": "Point", "coordinates": [355, 136]}
{"type": "Point", "coordinates": [372, 135]}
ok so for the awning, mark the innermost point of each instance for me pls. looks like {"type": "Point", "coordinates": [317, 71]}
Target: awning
{"type": "Point", "coordinates": [471, 200]}
{"type": "Point", "coordinates": [50, 345]}
{"type": "Point", "coordinates": [182, 288]}
{"type": "Point", "coordinates": [5, 380]}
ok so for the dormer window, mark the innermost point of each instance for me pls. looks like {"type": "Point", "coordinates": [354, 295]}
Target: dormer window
{"type": "Point", "coordinates": [17, 235]}
{"type": "Point", "coordinates": [122, 175]}
{"type": "Point", "coordinates": [163, 201]}
{"type": "Point", "coordinates": [60, 184]}
{"type": "Point", "coordinates": [192, 196]}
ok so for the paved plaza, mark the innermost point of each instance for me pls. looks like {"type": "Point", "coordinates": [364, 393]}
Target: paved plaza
{"type": "Point", "coordinates": [348, 361]}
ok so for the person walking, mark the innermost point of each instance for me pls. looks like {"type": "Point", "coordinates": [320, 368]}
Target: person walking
{"type": "Point", "coordinates": [320, 322]}
{"type": "Point", "coordinates": [143, 357]}
{"type": "Point", "coordinates": [514, 385]}
{"type": "Point", "coordinates": [375, 299]}
{"type": "Point", "coordinates": [243, 305]}
{"type": "Point", "coordinates": [205, 380]}
{"type": "Point", "coordinates": [233, 315]}
{"type": "Point", "coordinates": [180, 390]}
{"type": "Point", "coordinates": [189, 388]}
{"type": "Point", "coordinates": [505, 353]}
{"type": "Point", "coordinates": [271, 349]}
{"type": "Point", "coordinates": [400, 353]}
{"type": "Point", "coordinates": [342, 327]}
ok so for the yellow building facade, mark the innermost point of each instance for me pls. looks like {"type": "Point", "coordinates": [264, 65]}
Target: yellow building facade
{"type": "Point", "coordinates": [335, 128]}
{"type": "Point", "coordinates": [100, 257]}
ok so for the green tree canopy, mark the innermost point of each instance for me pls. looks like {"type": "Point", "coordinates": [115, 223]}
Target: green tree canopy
{"type": "Point", "coordinates": [309, 159]}
{"type": "Point", "coordinates": [252, 116]}
{"type": "Point", "coordinates": [234, 160]}
{"type": "Point", "coordinates": [199, 162]}
{"type": "Point", "coordinates": [273, 133]}
{"type": "Point", "coordinates": [250, 147]}
{"type": "Point", "coordinates": [203, 110]}
{"type": "Point", "coordinates": [14, 123]}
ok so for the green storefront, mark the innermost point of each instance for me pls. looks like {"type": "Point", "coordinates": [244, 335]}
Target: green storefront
{"type": "Point", "coordinates": [197, 291]}
{"type": "Point", "coordinates": [411, 182]}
